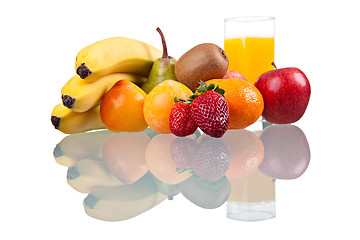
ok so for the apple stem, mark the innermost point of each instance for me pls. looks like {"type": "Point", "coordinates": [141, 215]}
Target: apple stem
{"type": "Point", "coordinates": [274, 65]}
{"type": "Point", "coordinates": [165, 53]}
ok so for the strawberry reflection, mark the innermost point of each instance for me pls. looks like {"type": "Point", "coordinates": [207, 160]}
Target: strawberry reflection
{"type": "Point", "coordinates": [287, 152]}
{"type": "Point", "coordinates": [159, 161]}
{"type": "Point", "coordinates": [208, 160]}
{"type": "Point", "coordinates": [182, 152]}
{"type": "Point", "coordinates": [211, 160]}
{"type": "Point", "coordinates": [207, 157]}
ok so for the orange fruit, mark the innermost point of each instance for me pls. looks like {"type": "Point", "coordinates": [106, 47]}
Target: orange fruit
{"type": "Point", "coordinates": [121, 109]}
{"type": "Point", "coordinates": [246, 152]}
{"type": "Point", "coordinates": [159, 160]}
{"type": "Point", "coordinates": [245, 101]}
{"type": "Point", "coordinates": [160, 100]}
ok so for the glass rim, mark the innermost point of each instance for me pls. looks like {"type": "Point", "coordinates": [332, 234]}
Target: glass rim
{"type": "Point", "coordinates": [249, 19]}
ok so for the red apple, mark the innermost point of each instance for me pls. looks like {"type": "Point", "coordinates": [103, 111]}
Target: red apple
{"type": "Point", "coordinates": [286, 94]}
{"type": "Point", "coordinates": [286, 152]}
{"type": "Point", "coordinates": [234, 75]}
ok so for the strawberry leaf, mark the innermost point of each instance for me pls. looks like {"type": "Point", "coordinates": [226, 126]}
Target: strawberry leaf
{"type": "Point", "coordinates": [219, 90]}
{"type": "Point", "coordinates": [194, 96]}
{"type": "Point", "coordinates": [176, 100]}
{"type": "Point", "coordinates": [203, 87]}
{"type": "Point", "coordinates": [211, 86]}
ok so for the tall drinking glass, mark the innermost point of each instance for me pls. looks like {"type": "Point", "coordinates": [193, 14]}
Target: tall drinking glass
{"type": "Point", "coordinates": [249, 45]}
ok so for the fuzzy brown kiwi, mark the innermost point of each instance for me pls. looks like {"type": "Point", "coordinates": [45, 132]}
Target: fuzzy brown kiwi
{"type": "Point", "coordinates": [201, 63]}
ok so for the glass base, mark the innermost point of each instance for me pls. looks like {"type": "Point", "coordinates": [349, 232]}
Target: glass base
{"type": "Point", "coordinates": [259, 125]}
{"type": "Point", "coordinates": [251, 211]}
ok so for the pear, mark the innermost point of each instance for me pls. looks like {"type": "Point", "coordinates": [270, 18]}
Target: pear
{"type": "Point", "coordinates": [162, 69]}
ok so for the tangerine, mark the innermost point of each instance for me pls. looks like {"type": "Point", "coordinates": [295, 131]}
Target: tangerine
{"type": "Point", "coordinates": [159, 101]}
{"type": "Point", "coordinates": [121, 109]}
{"type": "Point", "coordinates": [245, 101]}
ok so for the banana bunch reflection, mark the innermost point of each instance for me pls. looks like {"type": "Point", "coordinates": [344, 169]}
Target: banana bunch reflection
{"type": "Point", "coordinates": [127, 174]}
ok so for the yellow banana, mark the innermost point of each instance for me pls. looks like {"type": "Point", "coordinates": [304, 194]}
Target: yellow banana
{"type": "Point", "coordinates": [117, 54]}
{"type": "Point", "coordinates": [75, 147]}
{"type": "Point", "coordinates": [70, 122]}
{"type": "Point", "coordinates": [80, 95]}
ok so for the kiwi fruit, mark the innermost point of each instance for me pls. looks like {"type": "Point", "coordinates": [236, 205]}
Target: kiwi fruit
{"type": "Point", "coordinates": [201, 63]}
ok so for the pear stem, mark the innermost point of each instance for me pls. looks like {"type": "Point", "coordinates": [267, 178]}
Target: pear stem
{"type": "Point", "coordinates": [165, 53]}
{"type": "Point", "coordinates": [274, 65]}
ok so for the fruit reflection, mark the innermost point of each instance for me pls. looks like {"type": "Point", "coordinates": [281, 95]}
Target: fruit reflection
{"type": "Point", "coordinates": [126, 174]}
{"type": "Point", "coordinates": [75, 147]}
{"type": "Point", "coordinates": [124, 202]}
{"type": "Point", "coordinates": [287, 152]}
{"type": "Point", "coordinates": [211, 160]}
{"type": "Point", "coordinates": [124, 155]}
{"type": "Point", "coordinates": [183, 151]}
{"type": "Point", "coordinates": [207, 157]}
{"type": "Point", "coordinates": [247, 152]}
{"type": "Point", "coordinates": [206, 194]}
{"type": "Point", "coordinates": [169, 190]}
{"type": "Point", "coordinates": [87, 174]}
{"type": "Point", "coordinates": [159, 162]}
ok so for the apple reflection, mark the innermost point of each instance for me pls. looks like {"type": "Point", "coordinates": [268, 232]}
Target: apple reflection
{"type": "Point", "coordinates": [287, 152]}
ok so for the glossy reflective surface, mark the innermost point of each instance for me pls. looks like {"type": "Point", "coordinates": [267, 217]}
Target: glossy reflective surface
{"type": "Point", "coordinates": [127, 174]}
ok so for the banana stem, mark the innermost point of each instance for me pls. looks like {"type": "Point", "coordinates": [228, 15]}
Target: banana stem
{"type": "Point", "coordinates": [165, 53]}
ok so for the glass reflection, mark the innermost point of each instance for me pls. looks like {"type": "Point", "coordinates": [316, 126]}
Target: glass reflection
{"type": "Point", "coordinates": [252, 197]}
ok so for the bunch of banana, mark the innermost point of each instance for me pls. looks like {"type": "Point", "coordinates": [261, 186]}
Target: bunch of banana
{"type": "Point", "coordinates": [117, 54]}
{"type": "Point", "coordinates": [99, 66]}
{"type": "Point", "coordinates": [68, 121]}
{"type": "Point", "coordinates": [79, 95]}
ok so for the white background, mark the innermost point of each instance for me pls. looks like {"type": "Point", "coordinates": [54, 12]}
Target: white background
{"type": "Point", "coordinates": [39, 42]}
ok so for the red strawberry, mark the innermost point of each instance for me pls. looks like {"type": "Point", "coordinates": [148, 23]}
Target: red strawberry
{"type": "Point", "coordinates": [181, 123]}
{"type": "Point", "coordinates": [210, 111]}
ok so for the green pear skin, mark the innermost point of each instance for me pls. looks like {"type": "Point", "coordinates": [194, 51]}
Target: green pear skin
{"type": "Point", "coordinates": [162, 69]}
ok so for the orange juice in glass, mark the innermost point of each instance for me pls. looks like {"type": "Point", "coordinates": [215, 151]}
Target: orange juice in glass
{"type": "Point", "coordinates": [249, 45]}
